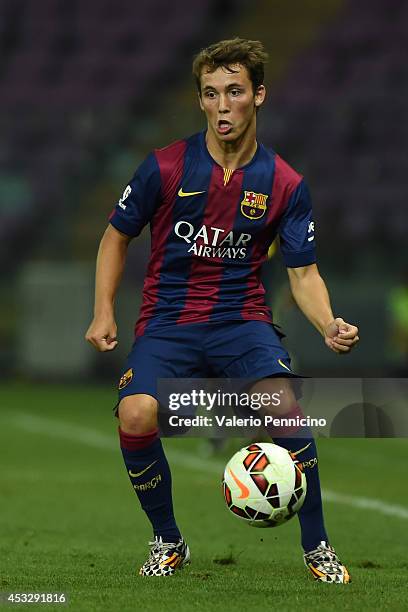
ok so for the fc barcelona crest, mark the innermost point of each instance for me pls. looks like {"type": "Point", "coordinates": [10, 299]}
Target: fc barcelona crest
{"type": "Point", "coordinates": [253, 206]}
{"type": "Point", "coordinates": [126, 379]}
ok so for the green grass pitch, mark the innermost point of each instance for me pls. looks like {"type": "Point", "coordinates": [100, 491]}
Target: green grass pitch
{"type": "Point", "coordinates": [71, 523]}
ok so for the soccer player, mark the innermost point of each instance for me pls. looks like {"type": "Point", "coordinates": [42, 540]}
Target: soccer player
{"type": "Point", "coordinates": [215, 201]}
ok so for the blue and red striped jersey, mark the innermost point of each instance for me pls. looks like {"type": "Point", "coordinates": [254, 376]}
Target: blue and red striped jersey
{"type": "Point", "coordinates": [210, 231]}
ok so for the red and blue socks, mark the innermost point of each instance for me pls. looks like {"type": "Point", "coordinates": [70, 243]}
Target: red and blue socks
{"type": "Point", "coordinates": [149, 473]}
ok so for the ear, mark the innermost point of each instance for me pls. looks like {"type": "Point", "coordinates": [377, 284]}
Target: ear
{"type": "Point", "coordinates": [260, 95]}
{"type": "Point", "coordinates": [200, 101]}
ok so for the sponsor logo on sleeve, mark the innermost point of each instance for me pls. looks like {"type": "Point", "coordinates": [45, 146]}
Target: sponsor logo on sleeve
{"type": "Point", "coordinates": [125, 195]}
{"type": "Point", "coordinates": [310, 230]}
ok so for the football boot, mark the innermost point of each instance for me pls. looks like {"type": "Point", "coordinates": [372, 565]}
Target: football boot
{"type": "Point", "coordinates": [165, 558]}
{"type": "Point", "coordinates": [325, 565]}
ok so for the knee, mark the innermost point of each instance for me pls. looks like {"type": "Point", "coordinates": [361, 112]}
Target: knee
{"type": "Point", "coordinates": [287, 403]}
{"type": "Point", "coordinates": [138, 414]}
{"type": "Point", "coordinates": [282, 399]}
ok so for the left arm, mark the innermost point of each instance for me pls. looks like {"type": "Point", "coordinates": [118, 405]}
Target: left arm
{"type": "Point", "coordinates": [311, 295]}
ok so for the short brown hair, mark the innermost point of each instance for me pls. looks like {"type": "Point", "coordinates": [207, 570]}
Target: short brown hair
{"type": "Point", "coordinates": [248, 53]}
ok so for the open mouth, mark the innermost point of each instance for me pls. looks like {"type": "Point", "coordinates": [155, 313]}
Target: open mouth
{"type": "Point", "coordinates": [223, 126]}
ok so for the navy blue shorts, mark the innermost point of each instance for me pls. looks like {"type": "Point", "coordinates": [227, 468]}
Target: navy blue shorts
{"type": "Point", "coordinates": [232, 349]}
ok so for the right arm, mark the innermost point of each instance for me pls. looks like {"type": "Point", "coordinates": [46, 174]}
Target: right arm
{"type": "Point", "coordinates": [109, 269]}
{"type": "Point", "coordinates": [134, 210]}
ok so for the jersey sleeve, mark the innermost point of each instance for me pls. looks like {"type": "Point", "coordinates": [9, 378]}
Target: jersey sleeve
{"type": "Point", "coordinates": [296, 229]}
{"type": "Point", "coordinates": [139, 200]}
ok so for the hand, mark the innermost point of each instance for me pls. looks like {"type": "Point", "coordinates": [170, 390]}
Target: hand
{"type": "Point", "coordinates": [340, 336]}
{"type": "Point", "coordinates": [102, 334]}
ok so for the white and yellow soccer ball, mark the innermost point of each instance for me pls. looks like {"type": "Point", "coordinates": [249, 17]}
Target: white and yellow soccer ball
{"type": "Point", "coordinates": [264, 485]}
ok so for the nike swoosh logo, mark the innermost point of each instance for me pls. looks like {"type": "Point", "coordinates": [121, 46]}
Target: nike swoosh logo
{"type": "Point", "coordinates": [283, 365]}
{"type": "Point", "coordinates": [143, 471]}
{"type": "Point", "coordinates": [185, 194]}
{"type": "Point", "coordinates": [301, 450]}
{"type": "Point", "coordinates": [243, 488]}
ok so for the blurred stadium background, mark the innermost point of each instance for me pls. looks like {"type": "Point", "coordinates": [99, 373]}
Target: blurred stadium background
{"type": "Point", "coordinates": [88, 87]}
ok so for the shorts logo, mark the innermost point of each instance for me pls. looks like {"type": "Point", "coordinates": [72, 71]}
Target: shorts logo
{"type": "Point", "coordinates": [283, 365]}
{"type": "Point", "coordinates": [253, 206]}
{"type": "Point", "coordinates": [126, 379]}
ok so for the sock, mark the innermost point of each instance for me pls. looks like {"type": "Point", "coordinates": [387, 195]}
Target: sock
{"type": "Point", "coordinates": [149, 473]}
{"type": "Point", "coordinates": [300, 440]}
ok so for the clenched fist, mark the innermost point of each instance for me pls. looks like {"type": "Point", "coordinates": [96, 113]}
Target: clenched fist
{"type": "Point", "coordinates": [102, 334]}
{"type": "Point", "coordinates": [340, 336]}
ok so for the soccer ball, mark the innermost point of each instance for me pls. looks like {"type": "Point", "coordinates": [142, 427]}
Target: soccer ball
{"type": "Point", "coordinates": [264, 485]}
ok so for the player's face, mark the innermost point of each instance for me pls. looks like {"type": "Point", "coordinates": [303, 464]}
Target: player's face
{"type": "Point", "coordinates": [229, 101]}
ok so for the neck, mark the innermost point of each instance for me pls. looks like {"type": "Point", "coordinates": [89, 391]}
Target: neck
{"type": "Point", "coordinates": [236, 153]}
